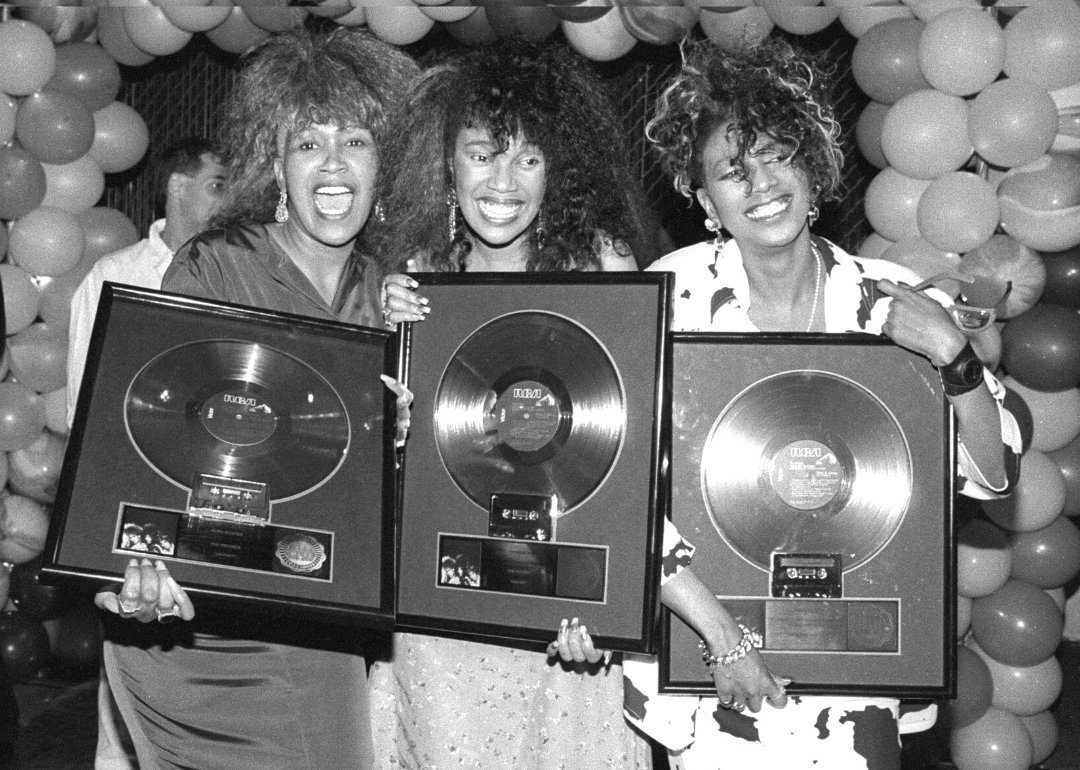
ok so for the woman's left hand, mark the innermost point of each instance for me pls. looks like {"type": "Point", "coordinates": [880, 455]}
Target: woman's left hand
{"type": "Point", "coordinates": [400, 301]}
{"type": "Point", "coordinates": [574, 645]}
{"type": "Point", "coordinates": [404, 410]}
{"type": "Point", "coordinates": [919, 323]}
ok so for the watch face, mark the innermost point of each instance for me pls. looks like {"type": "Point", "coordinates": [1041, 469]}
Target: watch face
{"type": "Point", "coordinates": [972, 372]}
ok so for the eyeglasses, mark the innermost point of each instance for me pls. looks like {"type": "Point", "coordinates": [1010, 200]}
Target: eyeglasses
{"type": "Point", "coordinates": [982, 299]}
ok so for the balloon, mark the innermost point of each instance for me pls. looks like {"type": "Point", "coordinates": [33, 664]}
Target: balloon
{"type": "Point", "coordinates": [963, 616]}
{"type": "Point", "coordinates": [983, 559]}
{"type": "Point", "coordinates": [891, 202]}
{"type": "Point", "coordinates": [1058, 595]}
{"type": "Point", "coordinates": [456, 10]}
{"type": "Point", "coordinates": [77, 641]}
{"type": "Point", "coordinates": [1037, 499]}
{"type": "Point", "coordinates": [584, 10]}
{"type": "Point", "coordinates": [1018, 625]}
{"type": "Point", "coordinates": [655, 21]}
{"type": "Point", "coordinates": [958, 211]}
{"type": "Point", "coordinates": [39, 357]}
{"type": "Point", "coordinates": [1055, 230]}
{"type": "Point", "coordinates": [874, 246]}
{"type": "Point", "coordinates": [274, 16]}
{"type": "Point", "coordinates": [54, 126]}
{"type": "Point", "coordinates": [1024, 690]}
{"type": "Point", "coordinates": [923, 259]}
{"type": "Point", "coordinates": [114, 39]}
{"type": "Point", "coordinates": [1048, 557]}
{"type": "Point", "coordinates": [398, 24]}
{"type": "Point", "coordinates": [924, 134]}
{"type": "Point", "coordinates": [1068, 104]}
{"type": "Point", "coordinates": [962, 51]}
{"type": "Point", "coordinates": [1006, 260]}
{"type": "Point", "coordinates": [7, 118]}
{"type": "Point", "coordinates": [32, 597]}
{"type": "Point", "coordinates": [27, 57]}
{"type": "Point", "coordinates": [510, 19]}
{"type": "Point", "coordinates": [64, 23]}
{"type": "Point", "coordinates": [1042, 347]}
{"type": "Point", "coordinates": [1063, 278]}
{"type": "Point", "coordinates": [151, 31]}
{"type": "Point", "coordinates": [107, 230]}
{"type": "Point", "coordinates": [996, 741]}
{"type": "Point", "coordinates": [974, 690]}
{"type": "Point", "coordinates": [1012, 122]}
{"type": "Point", "coordinates": [868, 133]}
{"type": "Point", "coordinates": [474, 29]}
{"type": "Point", "coordinates": [885, 62]}
{"type": "Point", "coordinates": [1049, 182]}
{"type": "Point", "coordinates": [47, 241]}
{"type": "Point", "coordinates": [194, 17]}
{"type": "Point", "coordinates": [858, 18]}
{"type": "Point", "coordinates": [56, 411]}
{"type": "Point", "coordinates": [74, 186]}
{"type": "Point", "coordinates": [1067, 460]}
{"type": "Point", "coordinates": [1043, 730]}
{"type": "Point", "coordinates": [237, 34]}
{"type": "Point", "coordinates": [3, 245]}
{"type": "Point", "coordinates": [22, 182]}
{"type": "Point", "coordinates": [735, 30]}
{"type": "Point", "coordinates": [21, 298]}
{"type": "Point", "coordinates": [120, 138]}
{"type": "Point", "coordinates": [603, 39]}
{"type": "Point", "coordinates": [1053, 414]}
{"type": "Point", "coordinates": [798, 19]}
{"type": "Point", "coordinates": [24, 645]}
{"type": "Point", "coordinates": [23, 526]}
{"type": "Point", "coordinates": [1040, 44]}
{"type": "Point", "coordinates": [87, 72]}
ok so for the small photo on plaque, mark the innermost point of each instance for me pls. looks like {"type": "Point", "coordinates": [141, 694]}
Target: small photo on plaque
{"type": "Point", "coordinates": [145, 530]}
{"type": "Point", "coordinates": [459, 562]}
{"type": "Point", "coordinates": [523, 517]}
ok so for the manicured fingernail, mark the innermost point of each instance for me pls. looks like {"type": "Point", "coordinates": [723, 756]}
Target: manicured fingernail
{"type": "Point", "coordinates": [133, 563]}
{"type": "Point", "coordinates": [146, 563]}
{"type": "Point", "coordinates": [584, 631]}
{"type": "Point", "coordinates": [413, 283]}
{"type": "Point", "coordinates": [159, 565]}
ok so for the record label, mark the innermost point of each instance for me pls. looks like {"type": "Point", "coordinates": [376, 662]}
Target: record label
{"type": "Point", "coordinates": [527, 416]}
{"type": "Point", "coordinates": [806, 474]}
{"type": "Point", "coordinates": [238, 418]}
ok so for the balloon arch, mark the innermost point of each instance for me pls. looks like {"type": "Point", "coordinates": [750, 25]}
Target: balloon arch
{"type": "Point", "coordinates": [972, 129]}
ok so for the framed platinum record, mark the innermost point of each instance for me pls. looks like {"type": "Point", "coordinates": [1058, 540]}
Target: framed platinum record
{"type": "Point", "coordinates": [814, 474]}
{"type": "Point", "coordinates": [249, 450]}
{"type": "Point", "coordinates": [532, 482]}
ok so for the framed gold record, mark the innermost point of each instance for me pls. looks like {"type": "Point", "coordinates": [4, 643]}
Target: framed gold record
{"type": "Point", "coordinates": [249, 450]}
{"type": "Point", "coordinates": [532, 482]}
{"type": "Point", "coordinates": [814, 474]}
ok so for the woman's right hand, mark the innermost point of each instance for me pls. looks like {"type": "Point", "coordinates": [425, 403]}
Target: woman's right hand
{"type": "Point", "coordinates": [748, 684]}
{"type": "Point", "coordinates": [149, 593]}
{"type": "Point", "coordinates": [400, 301]}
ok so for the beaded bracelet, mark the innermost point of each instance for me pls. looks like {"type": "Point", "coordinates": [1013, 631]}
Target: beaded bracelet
{"type": "Point", "coordinates": [750, 639]}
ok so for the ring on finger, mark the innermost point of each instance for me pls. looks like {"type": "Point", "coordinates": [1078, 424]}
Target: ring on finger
{"type": "Point", "coordinates": [727, 703]}
{"type": "Point", "coordinates": [128, 608]}
{"type": "Point", "coordinates": [169, 615]}
{"type": "Point", "coordinates": [738, 706]}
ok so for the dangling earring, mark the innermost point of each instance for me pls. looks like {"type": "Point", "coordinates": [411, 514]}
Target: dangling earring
{"type": "Point", "coordinates": [380, 212]}
{"type": "Point", "coordinates": [813, 214]}
{"type": "Point", "coordinates": [541, 231]}
{"type": "Point", "coordinates": [716, 227]}
{"type": "Point", "coordinates": [281, 213]}
{"type": "Point", "coordinates": [451, 203]}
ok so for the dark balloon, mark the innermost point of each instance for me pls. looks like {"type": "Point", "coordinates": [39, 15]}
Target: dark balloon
{"type": "Point", "coordinates": [77, 642]}
{"type": "Point", "coordinates": [87, 72]}
{"type": "Point", "coordinates": [1042, 347]}
{"type": "Point", "coordinates": [24, 645]}
{"type": "Point", "coordinates": [54, 126]}
{"type": "Point", "coordinates": [1048, 557]}
{"type": "Point", "coordinates": [1062, 277]}
{"type": "Point", "coordinates": [974, 689]}
{"type": "Point", "coordinates": [33, 597]}
{"type": "Point", "coordinates": [510, 18]}
{"type": "Point", "coordinates": [1067, 459]}
{"type": "Point", "coordinates": [1018, 625]}
{"type": "Point", "coordinates": [22, 182]}
{"type": "Point", "coordinates": [1022, 412]}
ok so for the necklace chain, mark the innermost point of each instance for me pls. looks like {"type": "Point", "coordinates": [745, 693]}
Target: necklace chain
{"type": "Point", "coordinates": [817, 285]}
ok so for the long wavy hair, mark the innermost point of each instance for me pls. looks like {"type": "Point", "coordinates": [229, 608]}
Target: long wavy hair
{"type": "Point", "coordinates": [773, 90]}
{"type": "Point", "coordinates": [544, 93]}
{"type": "Point", "coordinates": [293, 80]}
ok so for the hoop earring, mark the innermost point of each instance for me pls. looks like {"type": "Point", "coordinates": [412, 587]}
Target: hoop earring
{"type": "Point", "coordinates": [281, 213]}
{"type": "Point", "coordinates": [451, 203]}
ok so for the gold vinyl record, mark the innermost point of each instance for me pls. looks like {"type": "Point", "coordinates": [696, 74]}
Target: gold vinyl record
{"type": "Point", "coordinates": [239, 410]}
{"type": "Point", "coordinates": [806, 462]}
{"type": "Point", "coordinates": [530, 403]}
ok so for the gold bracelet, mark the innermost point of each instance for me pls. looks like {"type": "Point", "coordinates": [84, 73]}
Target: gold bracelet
{"type": "Point", "coordinates": [750, 640]}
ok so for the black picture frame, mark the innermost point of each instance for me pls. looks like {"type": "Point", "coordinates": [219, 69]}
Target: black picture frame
{"type": "Point", "coordinates": [285, 431]}
{"type": "Point", "coordinates": [554, 338]}
{"type": "Point", "coordinates": [880, 619]}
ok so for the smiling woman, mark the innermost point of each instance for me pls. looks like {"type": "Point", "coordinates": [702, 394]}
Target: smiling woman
{"type": "Point", "coordinates": [304, 125]}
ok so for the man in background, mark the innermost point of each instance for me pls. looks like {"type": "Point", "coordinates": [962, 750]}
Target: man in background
{"type": "Point", "coordinates": [188, 181]}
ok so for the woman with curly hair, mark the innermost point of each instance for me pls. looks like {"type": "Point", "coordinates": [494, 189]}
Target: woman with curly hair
{"type": "Point", "coordinates": [506, 158]}
{"type": "Point", "coordinates": [254, 690]}
{"type": "Point", "coordinates": [753, 137]}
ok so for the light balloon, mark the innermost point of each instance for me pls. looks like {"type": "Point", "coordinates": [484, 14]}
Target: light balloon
{"type": "Point", "coordinates": [1053, 414]}
{"type": "Point", "coordinates": [1037, 499]}
{"type": "Point", "coordinates": [34, 471]}
{"type": "Point", "coordinates": [1043, 729]}
{"type": "Point", "coordinates": [47, 241]}
{"type": "Point", "coordinates": [958, 211]}
{"type": "Point", "coordinates": [150, 30]}
{"type": "Point", "coordinates": [114, 39]}
{"type": "Point", "coordinates": [735, 30]}
{"type": "Point", "coordinates": [237, 34]}
{"type": "Point", "coordinates": [121, 138]}
{"type": "Point", "coordinates": [107, 230]}
{"type": "Point", "coordinates": [398, 24]}
{"type": "Point", "coordinates": [27, 57]}
{"type": "Point", "coordinates": [962, 51]}
{"type": "Point", "coordinates": [924, 134]}
{"type": "Point", "coordinates": [891, 203]}
{"type": "Point", "coordinates": [7, 118]}
{"type": "Point", "coordinates": [885, 61]}
{"type": "Point", "coordinates": [1012, 122]}
{"type": "Point", "coordinates": [1003, 259]}
{"type": "Point", "coordinates": [39, 357]}
{"type": "Point", "coordinates": [868, 133]}
{"type": "Point", "coordinates": [1040, 44]}
{"type": "Point", "coordinates": [74, 186]}
{"type": "Point", "coordinates": [23, 526]}
{"type": "Point", "coordinates": [604, 38]}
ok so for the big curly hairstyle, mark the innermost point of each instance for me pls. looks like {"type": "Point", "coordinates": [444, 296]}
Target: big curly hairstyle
{"type": "Point", "coordinates": [773, 90]}
{"type": "Point", "coordinates": [542, 92]}
{"type": "Point", "coordinates": [295, 79]}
